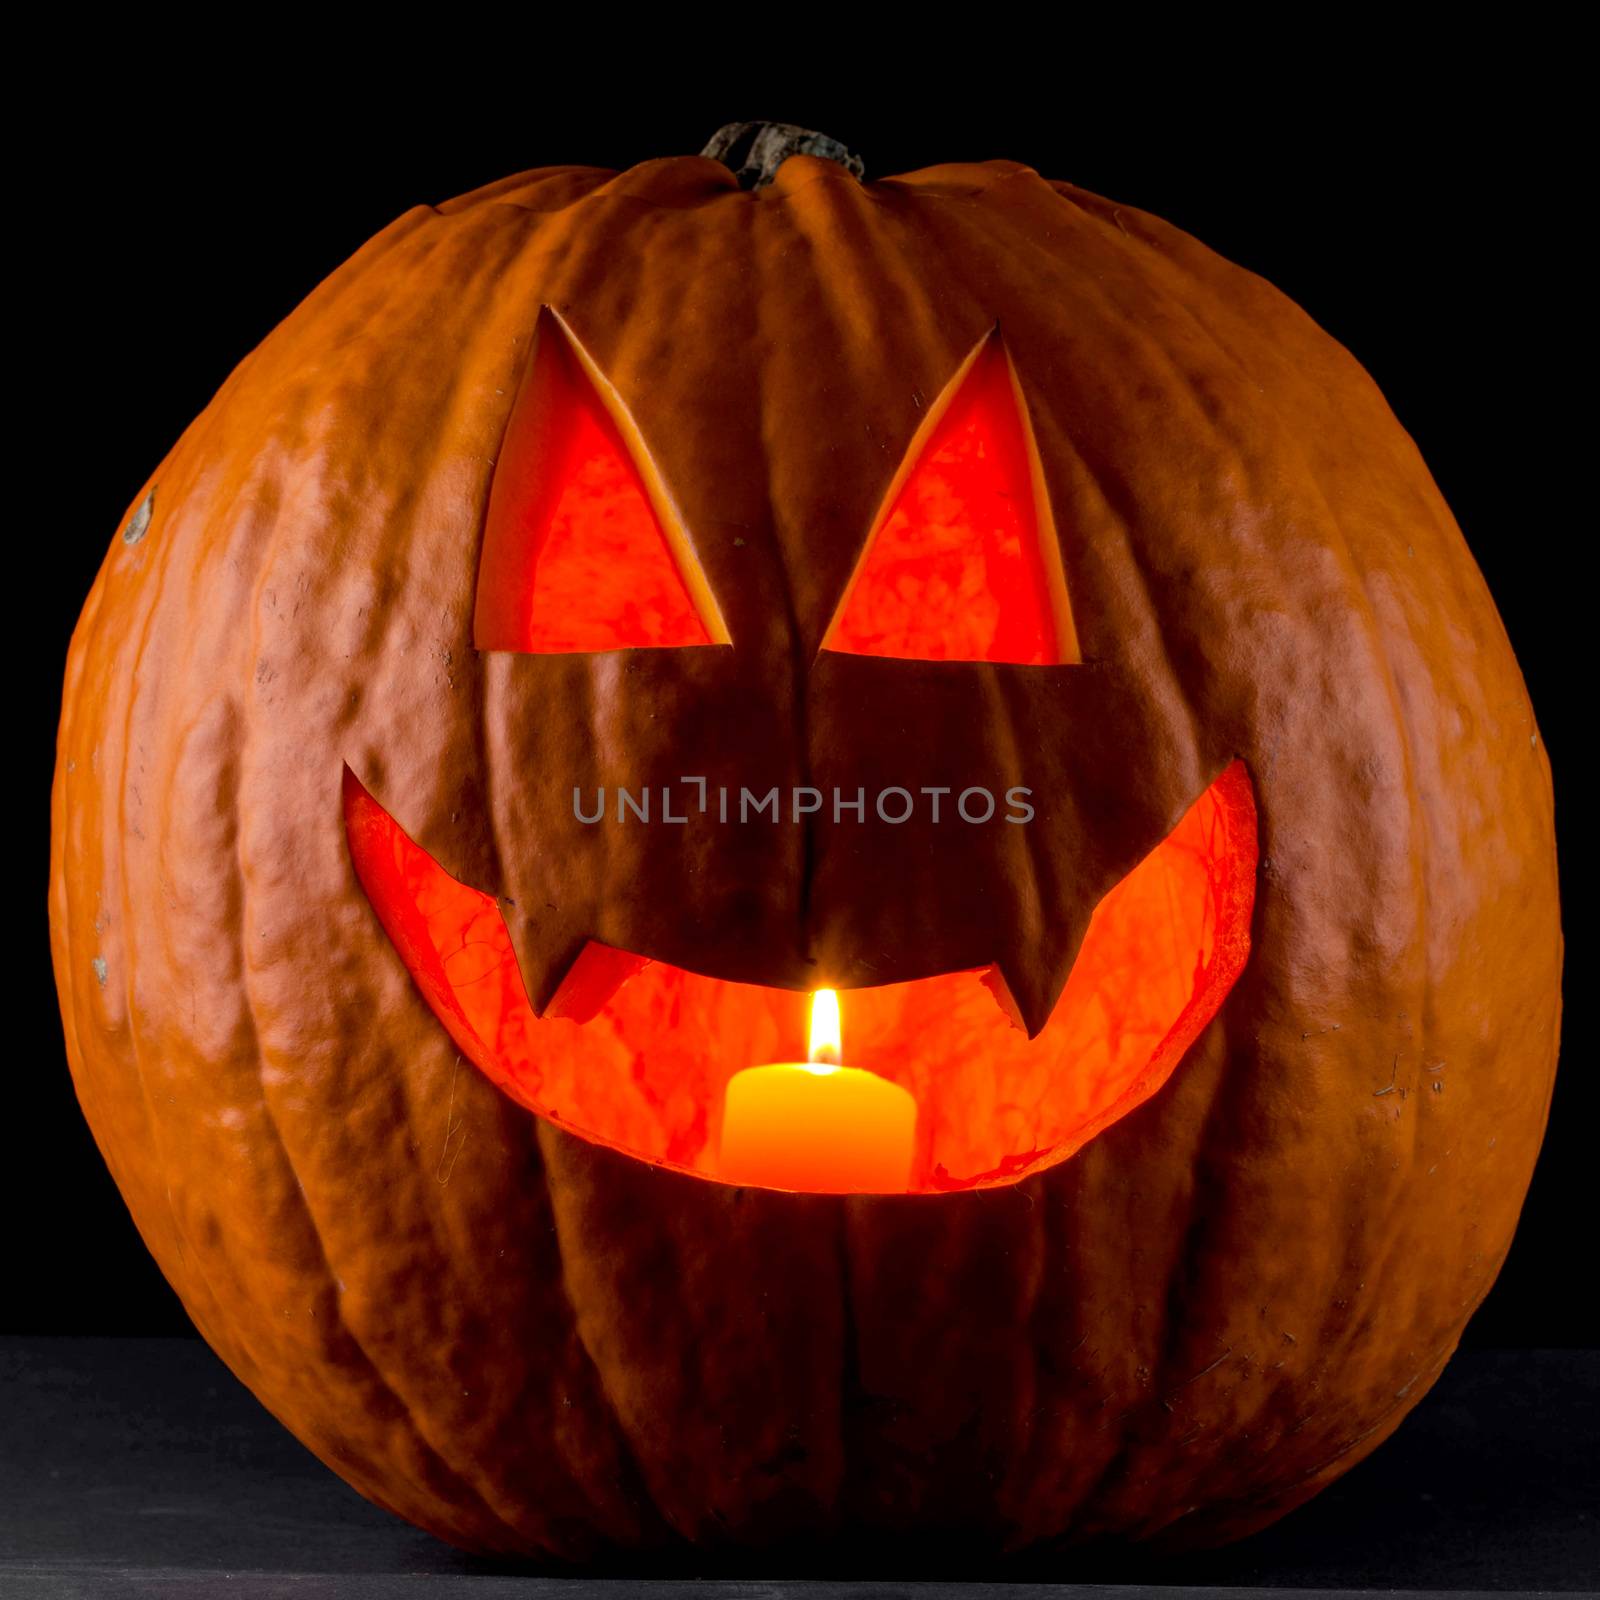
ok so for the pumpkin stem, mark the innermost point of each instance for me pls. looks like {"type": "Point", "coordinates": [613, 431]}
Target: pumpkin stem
{"type": "Point", "coordinates": [755, 150]}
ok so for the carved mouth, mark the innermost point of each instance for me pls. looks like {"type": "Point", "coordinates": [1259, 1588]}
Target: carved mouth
{"type": "Point", "coordinates": [636, 1054]}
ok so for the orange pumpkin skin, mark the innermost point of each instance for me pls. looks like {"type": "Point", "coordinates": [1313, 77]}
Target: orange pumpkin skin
{"type": "Point", "coordinates": [528, 1343]}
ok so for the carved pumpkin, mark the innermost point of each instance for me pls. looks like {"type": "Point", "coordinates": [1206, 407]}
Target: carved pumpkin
{"type": "Point", "coordinates": [411, 920]}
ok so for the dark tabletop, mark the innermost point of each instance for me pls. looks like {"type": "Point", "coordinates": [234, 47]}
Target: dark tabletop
{"type": "Point", "coordinates": [141, 1466]}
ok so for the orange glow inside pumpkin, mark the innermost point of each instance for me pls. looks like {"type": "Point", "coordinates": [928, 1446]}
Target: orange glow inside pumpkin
{"type": "Point", "coordinates": [647, 1071]}
{"type": "Point", "coordinates": [580, 553]}
{"type": "Point", "coordinates": [964, 565]}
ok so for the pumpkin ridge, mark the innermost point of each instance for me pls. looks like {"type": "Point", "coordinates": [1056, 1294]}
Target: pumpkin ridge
{"type": "Point", "coordinates": [472, 1491]}
{"type": "Point", "coordinates": [774, 421]}
{"type": "Point", "coordinates": [1039, 880]}
{"type": "Point", "coordinates": [296, 1192]}
{"type": "Point", "coordinates": [1348, 1453]}
{"type": "Point", "coordinates": [266, 535]}
{"type": "Point", "coordinates": [495, 193]}
{"type": "Point", "coordinates": [620, 1428]}
{"type": "Point", "coordinates": [161, 560]}
{"type": "Point", "coordinates": [855, 1399]}
{"type": "Point", "coordinates": [1415, 846]}
{"type": "Point", "coordinates": [1168, 1342]}
{"type": "Point", "coordinates": [227, 1331]}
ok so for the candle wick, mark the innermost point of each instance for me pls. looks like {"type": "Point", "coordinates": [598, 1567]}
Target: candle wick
{"type": "Point", "coordinates": [825, 1055]}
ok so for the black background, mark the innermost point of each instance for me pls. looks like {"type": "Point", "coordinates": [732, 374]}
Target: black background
{"type": "Point", "coordinates": [1425, 215]}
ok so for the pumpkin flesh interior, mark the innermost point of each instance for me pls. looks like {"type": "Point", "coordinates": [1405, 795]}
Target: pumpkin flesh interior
{"type": "Point", "coordinates": [582, 550]}
{"type": "Point", "coordinates": [964, 564]}
{"type": "Point", "coordinates": [646, 1072]}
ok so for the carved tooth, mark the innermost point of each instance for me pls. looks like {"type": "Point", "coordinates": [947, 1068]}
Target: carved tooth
{"type": "Point", "coordinates": [591, 980]}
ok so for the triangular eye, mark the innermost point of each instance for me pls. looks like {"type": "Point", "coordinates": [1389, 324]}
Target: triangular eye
{"type": "Point", "coordinates": [583, 549]}
{"type": "Point", "coordinates": [963, 564]}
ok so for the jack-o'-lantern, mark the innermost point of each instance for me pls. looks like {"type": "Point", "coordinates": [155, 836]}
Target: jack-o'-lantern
{"type": "Point", "coordinates": [619, 615]}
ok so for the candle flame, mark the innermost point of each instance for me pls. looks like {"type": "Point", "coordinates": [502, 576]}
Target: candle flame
{"type": "Point", "coordinates": [825, 1041]}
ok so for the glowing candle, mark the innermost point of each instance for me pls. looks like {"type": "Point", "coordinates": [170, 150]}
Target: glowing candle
{"type": "Point", "coordinates": [815, 1125]}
